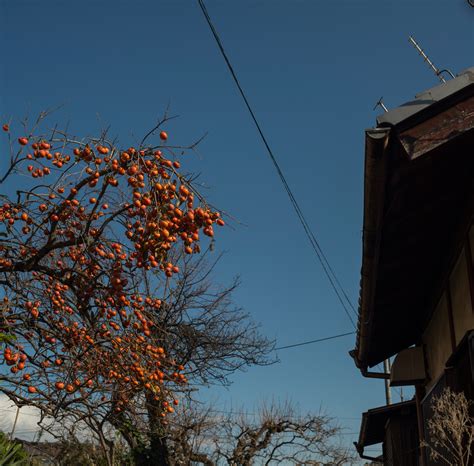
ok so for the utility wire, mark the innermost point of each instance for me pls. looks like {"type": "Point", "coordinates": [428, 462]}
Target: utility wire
{"type": "Point", "coordinates": [331, 276]}
{"type": "Point", "coordinates": [328, 270]}
{"type": "Point", "coordinates": [246, 413]}
{"type": "Point", "coordinates": [314, 341]}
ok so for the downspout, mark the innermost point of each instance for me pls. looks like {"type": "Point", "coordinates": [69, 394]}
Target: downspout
{"type": "Point", "coordinates": [365, 372]}
{"type": "Point", "coordinates": [375, 375]}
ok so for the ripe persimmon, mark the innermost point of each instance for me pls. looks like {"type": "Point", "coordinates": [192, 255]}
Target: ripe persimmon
{"type": "Point", "coordinates": [102, 149]}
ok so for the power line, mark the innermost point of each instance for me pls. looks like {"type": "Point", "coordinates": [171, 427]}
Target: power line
{"type": "Point", "coordinates": [330, 274]}
{"type": "Point", "coordinates": [314, 341]}
{"type": "Point", "coordinates": [21, 412]}
{"type": "Point", "coordinates": [328, 270]}
{"type": "Point", "coordinates": [248, 413]}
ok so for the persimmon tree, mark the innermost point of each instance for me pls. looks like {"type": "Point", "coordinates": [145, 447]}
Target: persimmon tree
{"type": "Point", "coordinates": [84, 240]}
{"type": "Point", "coordinates": [204, 331]}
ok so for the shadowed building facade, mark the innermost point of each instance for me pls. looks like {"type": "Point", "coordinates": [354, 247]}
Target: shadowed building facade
{"type": "Point", "coordinates": [417, 286]}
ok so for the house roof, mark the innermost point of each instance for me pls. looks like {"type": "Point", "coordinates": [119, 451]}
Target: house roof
{"type": "Point", "coordinates": [372, 429]}
{"type": "Point", "coordinates": [418, 200]}
{"type": "Point", "coordinates": [427, 98]}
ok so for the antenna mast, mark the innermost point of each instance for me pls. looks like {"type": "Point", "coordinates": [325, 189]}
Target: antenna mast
{"type": "Point", "coordinates": [436, 71]}
{"type": "Point", "coordinates": [381, 104]}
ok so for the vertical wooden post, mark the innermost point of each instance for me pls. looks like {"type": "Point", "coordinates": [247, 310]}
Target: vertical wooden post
{"type": "Point", "coordinates": [452, 332]}
{"type": "Point", "coordinates": [419, 393]}
{"type": "Point", "coordinates": [470, 265]}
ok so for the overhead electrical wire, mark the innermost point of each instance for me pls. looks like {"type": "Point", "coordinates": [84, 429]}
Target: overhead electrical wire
{"type": "Point", "coordinates": [328, 270]}
{"type": "Point", "coordinates": [314, 341]}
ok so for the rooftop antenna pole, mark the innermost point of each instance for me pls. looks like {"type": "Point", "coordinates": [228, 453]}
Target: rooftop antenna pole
{"type": "Point", "coordinates": [381, 104]}
{"type": "Point", "coordinates": [436, 71]}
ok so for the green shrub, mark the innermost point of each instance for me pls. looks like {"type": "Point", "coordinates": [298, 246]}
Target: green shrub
{"type": "Point", "coordinates": [12, 453]}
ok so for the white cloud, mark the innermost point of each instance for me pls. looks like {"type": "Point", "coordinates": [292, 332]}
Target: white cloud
{"type": "Point", "coordinates": [27, 424]}
{"type": "Point", "coordinates": [27, 427]}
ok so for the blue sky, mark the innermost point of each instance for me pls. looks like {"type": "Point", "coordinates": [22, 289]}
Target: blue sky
{"type": "Point", "coordinates": [313, 71]}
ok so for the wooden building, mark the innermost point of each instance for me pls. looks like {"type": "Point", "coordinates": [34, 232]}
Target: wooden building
{"type": "Point", "coordinates": [417, 280]}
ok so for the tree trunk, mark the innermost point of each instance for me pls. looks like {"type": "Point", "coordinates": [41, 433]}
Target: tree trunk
{"type": "Point", "coordinates": [156, 454]}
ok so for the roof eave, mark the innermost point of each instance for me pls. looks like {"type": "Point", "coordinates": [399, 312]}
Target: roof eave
{"type": "Point", "coordinates": [366, 436]}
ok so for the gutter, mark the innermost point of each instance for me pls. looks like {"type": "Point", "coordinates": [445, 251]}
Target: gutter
{"type": "Point", "coordinates": [376, 144]}
{"type": "Point", "coordinates": [375, 375]}
{"type": "Point", "coordinates": [359, 446]}
{"type": "Point", "coordinates": [360, 451]}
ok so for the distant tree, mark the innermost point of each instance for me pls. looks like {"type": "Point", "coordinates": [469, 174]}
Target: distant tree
{"type": "Point", "coordinates": [451, 429]}
{"type": "Point", "coordinates": [277, 435]}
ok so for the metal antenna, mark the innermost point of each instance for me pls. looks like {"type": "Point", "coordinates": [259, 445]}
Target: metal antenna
{"type": "Point", "coordinates": [381, 104]}
{"type": "Point", "coordinates": [436, 71]}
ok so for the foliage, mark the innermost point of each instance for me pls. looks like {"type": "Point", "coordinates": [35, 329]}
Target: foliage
{"type": "Point", "coordinates": [11, 453]}
{"type": "Point", "coordinates": [74, 453]}
{"type": "Point", "coordinates": [7, 338]}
